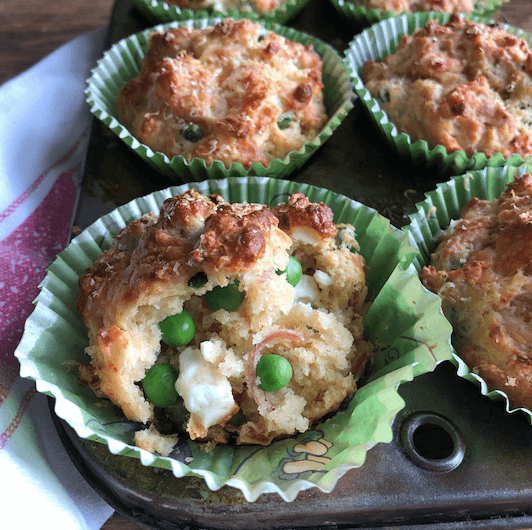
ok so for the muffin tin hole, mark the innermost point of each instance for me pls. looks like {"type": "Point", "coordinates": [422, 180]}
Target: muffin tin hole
{"type": "Point", "coordinates": [432, 442]}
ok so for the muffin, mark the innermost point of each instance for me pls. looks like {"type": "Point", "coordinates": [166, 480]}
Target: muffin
{"type": "Point", "coordinates": [464, 85]}
{"type": "Point", "coordinates": [167, 11]}
{"type": "Point", "coordinates": [453, 93]}
{"type": "Point", "coordinates": [417, 341]}
{"type": "Point", "coordinates": [221, 265]}
{"type": "Point", "coordinates": [482, 270]}
{"type": "Point", "coordinates": [233, 92]}
{"type": "Point", "coordinates": [368, 12]}
{"type": "Point", "coordinates": [412, 6]}
{"type": "Point", "coordinates": [263, 109]}
{"type": "Point", "coordinates": [243, 6]}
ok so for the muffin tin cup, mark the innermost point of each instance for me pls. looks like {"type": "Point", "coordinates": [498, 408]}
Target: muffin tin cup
{"type": "Point", "coordinates": [162, 12]}
{"type": "Point", "coordinates": [123, 62]}
{"type": "Point", "coordinates": [434, 215]}
{"type": "Point", "coordinates": [381, 40]}
{"type": "Point", "coordinates": [358, 15]}
{"type": "Point", "coordinates": [404, 322]}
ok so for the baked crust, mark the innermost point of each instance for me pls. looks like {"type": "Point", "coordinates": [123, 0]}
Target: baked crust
{"type": "Point", "coordinates": [144, 277]}
{"type": "Point", "coordinates": [483, 271]}
{"type": "Point", "coordinates": [234, 82]}
{"type": "Point", "coordinates": [465, 85]}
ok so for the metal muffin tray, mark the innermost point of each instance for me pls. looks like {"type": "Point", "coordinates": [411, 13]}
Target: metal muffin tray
{"type": "Point", "coordinates": [457, 459]}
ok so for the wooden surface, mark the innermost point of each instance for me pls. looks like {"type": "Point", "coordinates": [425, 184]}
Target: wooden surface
{"type": "Point", "coordinates": [31, 29]}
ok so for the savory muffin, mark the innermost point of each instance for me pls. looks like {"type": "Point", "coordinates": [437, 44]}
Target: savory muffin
{"type": "Point", "coordinates": [413, 6]}
{"type": "Point", "coordinates": [223, 6]}
{"type": "Point", "coordinates": [273, 300]}
{"type": "Point", "coordinates": [464, 85]}
{"type": "Point", "coordinates": [234, 92]}
{"type": "Point", "coordinates": [482, 270]}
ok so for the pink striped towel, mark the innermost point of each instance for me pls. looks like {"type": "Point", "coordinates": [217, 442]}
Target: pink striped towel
{"type": "Point", "coordinates": [43, 134]}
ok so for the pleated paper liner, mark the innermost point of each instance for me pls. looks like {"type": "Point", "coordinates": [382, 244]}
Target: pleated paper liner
{"type": "Point", "coordinates": [123, 62]}
{"type": "Point", "coordinates": [162, 12]}
{"type": "Point", "coordinates": [434, 215]}
{"type": "Point", "coordinates": [381, 40]}
{"type": "Point", "coordinates": [357, 14]}
{"type": "Point", "coordinates": [404, 322]}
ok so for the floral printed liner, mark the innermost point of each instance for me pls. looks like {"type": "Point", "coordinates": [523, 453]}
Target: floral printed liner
{"type": "Point", "coordinates": [381, 40]}
{"type": "Point", "coordinates": [434, 215]}
{"type": "Point", "coordinates": [358, 15]}
{"type": "Point", "coordinates": [163, 12]}
{"type": "Point", "coordinates": [123, 62]}
{"type": "Point", "coordinates": [405, 322]}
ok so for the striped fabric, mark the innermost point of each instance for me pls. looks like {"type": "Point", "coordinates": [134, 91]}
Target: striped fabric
{"type": "Point", "coordinates": [44, 133]}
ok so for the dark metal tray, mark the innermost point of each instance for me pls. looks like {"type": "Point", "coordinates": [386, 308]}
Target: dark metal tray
{"type": "Point", "coordinates": [457, 460]}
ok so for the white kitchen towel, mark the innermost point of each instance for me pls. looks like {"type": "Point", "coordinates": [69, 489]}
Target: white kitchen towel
{"type": "Point", "coordinates": [44, 131]}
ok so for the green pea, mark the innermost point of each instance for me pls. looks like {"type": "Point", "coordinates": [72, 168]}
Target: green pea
{"type": "Point", "coordinates": [274, 372]}
{"type": "Point", "coordinates": [284, 120]}
{"type": "Point", "coordinates": [198, 280]}
{"type": "Point", "coordinates": [179, 329]}
{"type": "Point", "coordinates": [228, 297]}
{"type": "Point", "coordinates": [159, 385]}
{"type": "Point", "coordinates": [293, 270]}
{"type": "Point", "coordinates": [193, 133]}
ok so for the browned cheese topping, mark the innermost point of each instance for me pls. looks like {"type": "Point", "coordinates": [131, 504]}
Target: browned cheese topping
{"type": "Point", "coordinates": [234, 92]}
{"type": "Point", "coordinates": [466, 86]}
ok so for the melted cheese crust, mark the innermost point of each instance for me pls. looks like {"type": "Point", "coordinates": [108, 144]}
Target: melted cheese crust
{"type": "Point", "coordinates": [483, 271]}
{"type": "Point", "coordinates": [466, 86]}
{"type": "Point", "coordinates": [234, 81]}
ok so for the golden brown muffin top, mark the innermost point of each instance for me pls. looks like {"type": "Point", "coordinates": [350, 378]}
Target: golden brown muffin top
{"type": "Point", "coordinates": [491, 237]}
{"type": "Point", "coordinates": [298, 211]}
{"type": "Point", "coordinates": [464, 85]}
{"type": "Point", "coordinates": [232, 83]}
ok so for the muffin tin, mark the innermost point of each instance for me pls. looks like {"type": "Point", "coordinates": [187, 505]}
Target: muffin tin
{"type": "Point", "coordinates": [456, 458]}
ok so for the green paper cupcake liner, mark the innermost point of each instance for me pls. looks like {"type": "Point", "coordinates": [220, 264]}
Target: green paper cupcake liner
{"type": "Point", "coordinates": [404, 321]}
{"type": "Point", "coordinates": [123, 62]}
{"type": "Point", "coordinates": [434, 215]}
{"type": "Point", "coordinates": [359, 16]}
{"type": "Point", "coordinates": [381, 40]}
{"type": "Point", "coordinates": [163, 12]}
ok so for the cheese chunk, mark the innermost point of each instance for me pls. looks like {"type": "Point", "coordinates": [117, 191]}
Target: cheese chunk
{"type": "Point", "coordinates": [206, 392]}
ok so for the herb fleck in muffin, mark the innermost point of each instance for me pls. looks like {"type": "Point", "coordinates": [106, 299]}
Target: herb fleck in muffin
{"type": "Point", "coordinates": [234, 92]}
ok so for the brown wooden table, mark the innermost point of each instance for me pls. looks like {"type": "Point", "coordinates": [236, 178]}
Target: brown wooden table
{"type": "Point", "coordinates": [31, 29]}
